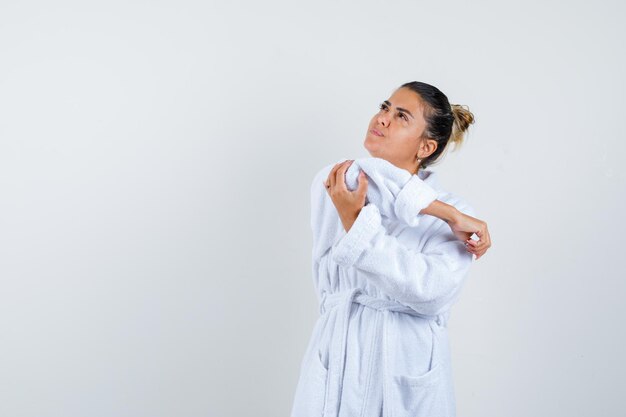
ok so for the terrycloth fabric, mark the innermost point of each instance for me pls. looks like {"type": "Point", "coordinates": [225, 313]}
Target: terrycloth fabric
{"type": "Point", "coordinates": [380, 346]}
{"type": "Point", "coordinates": [397, 193]}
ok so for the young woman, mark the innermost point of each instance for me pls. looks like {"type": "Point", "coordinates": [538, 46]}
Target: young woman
{"type": "Point", "coordinates": [391, 252]}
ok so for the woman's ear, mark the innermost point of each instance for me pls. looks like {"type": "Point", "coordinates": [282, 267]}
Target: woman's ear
{"type": "Point", "coordinates": [427, 147]}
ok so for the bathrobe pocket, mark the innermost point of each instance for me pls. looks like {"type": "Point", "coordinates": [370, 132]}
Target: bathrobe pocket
{"type": "Point", "coordinates": [311, 396]}
{"type": "Point", "coordinates": [423, 394]}
{"type": "Point", "coordinates": [418, 395]}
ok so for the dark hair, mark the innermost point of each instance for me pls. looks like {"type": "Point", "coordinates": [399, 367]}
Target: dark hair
{"type": "Point", "coordinates": [444, 122]}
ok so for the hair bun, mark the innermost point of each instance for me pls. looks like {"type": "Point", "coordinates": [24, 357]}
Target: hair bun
{"type": "Point", "coordinates": [463, 118]}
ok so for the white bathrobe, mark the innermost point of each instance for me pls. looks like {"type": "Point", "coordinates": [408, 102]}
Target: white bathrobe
{"type": "Point", "coordinates": [380, 346]}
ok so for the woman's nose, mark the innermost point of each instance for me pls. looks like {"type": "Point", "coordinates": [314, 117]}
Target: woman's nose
{"type": "Point", "coordinates": [384, 119]}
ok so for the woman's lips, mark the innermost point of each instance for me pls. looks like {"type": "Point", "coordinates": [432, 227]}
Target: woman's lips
{"type": "Point", "coordinates": [376, 132]}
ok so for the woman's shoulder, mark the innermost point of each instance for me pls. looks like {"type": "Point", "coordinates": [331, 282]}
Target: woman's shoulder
{"type": "Point", "coordinates": [320, 176]}
{"type": "Point", "coordinates": [324, 171]}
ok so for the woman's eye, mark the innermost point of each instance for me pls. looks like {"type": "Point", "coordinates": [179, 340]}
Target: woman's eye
{"type": "Point", "coordinates": [384, 107]}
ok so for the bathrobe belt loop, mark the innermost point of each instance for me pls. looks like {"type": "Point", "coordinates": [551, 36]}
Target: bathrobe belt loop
{"type": "Point", "coordinates": [337, 358]}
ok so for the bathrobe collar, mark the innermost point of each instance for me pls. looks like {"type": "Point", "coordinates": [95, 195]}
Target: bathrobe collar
{"type": "Point", "coordinates": [429, 177]}
{"type": "Point", "coordinates": [395, 191]}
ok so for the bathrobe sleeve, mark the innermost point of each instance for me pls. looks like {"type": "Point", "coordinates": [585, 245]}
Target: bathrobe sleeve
{"type": "Point", "coordinates": [414, 196]}
{"type": "Point", "coordinates": [428, 281]}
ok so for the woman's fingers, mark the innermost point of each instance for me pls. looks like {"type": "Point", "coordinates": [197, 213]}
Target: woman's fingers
{"type": "Point", "coordinates": [477, 253]}
{"type": "Point", "coordinates": [330, 181]}
{"type": "Point", "coordinates": [362, 184]}
{"type": "Point", "coordinates": [471, 247]}
{"type": "Point", "coordinates": [479, 247]}
{"type": "Point", "coordinates": [484, 235]}
{"type": "Point", "coordinates": [331, 175]}
{"type": "Point", "coordinates": [476, 244]}
{"type": "Point", "coordinates": [341, 174]}
{"type": "Point", "coordinates": [485, 238]}
{"type": "Point", "coordinates": [334, 173]}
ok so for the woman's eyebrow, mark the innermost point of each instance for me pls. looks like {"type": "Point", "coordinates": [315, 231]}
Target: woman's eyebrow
{"type": "Point", "coordinates": [387, 102]}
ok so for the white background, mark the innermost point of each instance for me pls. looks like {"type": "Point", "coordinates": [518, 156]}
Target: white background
{"type": "Point", "coordinates": [155, 165]}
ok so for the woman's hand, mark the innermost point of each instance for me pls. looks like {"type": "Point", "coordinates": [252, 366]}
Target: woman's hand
{"type": "Point", "coordinates": [348, 203]}
{"type": "Point", "coordinates": [464, 226]}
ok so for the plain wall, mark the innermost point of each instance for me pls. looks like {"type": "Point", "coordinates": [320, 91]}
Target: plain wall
{"type": "Point", "coordinates": [155, 165]}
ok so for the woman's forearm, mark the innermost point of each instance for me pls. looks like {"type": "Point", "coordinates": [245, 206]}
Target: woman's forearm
{"type": "Point", "coordinates": [439, 209]}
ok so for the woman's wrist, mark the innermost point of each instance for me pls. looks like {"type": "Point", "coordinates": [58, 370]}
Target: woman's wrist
{"type": "Point", "coordinates": [441, 210]}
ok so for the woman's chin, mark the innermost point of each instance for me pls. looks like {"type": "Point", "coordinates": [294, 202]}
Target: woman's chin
{"type": "Point", "coordinates": [372, 145]}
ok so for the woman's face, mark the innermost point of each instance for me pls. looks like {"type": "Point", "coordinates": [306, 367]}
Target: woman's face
{"type": "Point", "coordinates": [394, 132]}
